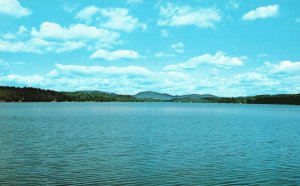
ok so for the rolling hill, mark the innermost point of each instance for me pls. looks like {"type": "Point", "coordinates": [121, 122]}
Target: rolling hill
{"type": "Point", "coordinates": [154, 95]}
{"type": "Point", "coordinates": [168, 97]}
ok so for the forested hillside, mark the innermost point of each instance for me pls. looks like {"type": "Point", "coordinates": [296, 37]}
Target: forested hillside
{"type": "Point", "coordinates": [28, 94]}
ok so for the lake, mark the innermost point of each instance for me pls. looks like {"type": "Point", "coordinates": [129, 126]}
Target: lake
{"type": "Point", "coordinates": [149, 144]}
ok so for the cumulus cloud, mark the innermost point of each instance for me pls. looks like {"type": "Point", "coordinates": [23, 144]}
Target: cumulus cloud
{"type": "Point", "coordinates": [119, 19]}
{"type": "Point", "coordinates": [252, 83]}
{"type": "Point", "coordinates": [129, 79]}
{"type": "Point", "coordinates": [171, 15]}
{"type": "Point", "coordinates": [271, 78]}
{"type": "Point", "coordinates": [87, 13]}
{"type": "Point", "coordinates": [52, 37]}
{"type": "Point", "coordinates": [255, 78]}
{"type": "Point", "coordinates": [132, 79]}
{"type": "Point", "coordinates": [261, 82]}
{"type": "Point", "coordinates": [8, 46]}
{"type": "Point", "coordinates": [283, 66]}
{"type": "Point", "coordinates": [111, 18]}
{"type": "Point", "coordinates": [136, 70]}
{"type": "Point", "coordinates": [8, 36]}
{"type": "Point", "coordinates": [50, 30]}
{"type": "Point", "coordinates": [37, 45]}
{"type": "Point", "coordinates": [261, 13]}
{"type": "Point", "coordinates": [219, 59]}
{"type": "Point", "coordinates": [13, 8]}
{"type": "Point", "coordinates": [114, 55]}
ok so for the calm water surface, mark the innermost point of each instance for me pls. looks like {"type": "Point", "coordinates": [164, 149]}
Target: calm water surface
{"type": "Point", "coordinates": [149, 143]}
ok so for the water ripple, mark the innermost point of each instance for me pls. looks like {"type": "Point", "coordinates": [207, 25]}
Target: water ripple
{"type": "Point", "coordinates": [149, 144]}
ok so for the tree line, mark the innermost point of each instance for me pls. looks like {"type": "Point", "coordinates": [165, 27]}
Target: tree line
{"type": "Point", "coordinates": [29, 94]}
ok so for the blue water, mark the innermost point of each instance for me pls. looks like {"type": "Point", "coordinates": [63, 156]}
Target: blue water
{"type": "Point", "coordinates": [149, 144]}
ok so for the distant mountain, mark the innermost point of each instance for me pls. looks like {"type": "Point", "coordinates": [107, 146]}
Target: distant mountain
{"type": "Point", "coordinates": [154, 95]}
{"type": "Point", "coordinates": [168, 97]}
{"type": "Point", "coordinates": [197, 96]}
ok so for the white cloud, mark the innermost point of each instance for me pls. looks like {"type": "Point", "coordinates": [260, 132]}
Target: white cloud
{"type": "Point", "coordinates": [52, 37]}
{"type": "Point", "coordinates": [283, 66]}
{"type": "Point", "coordinates": [251, 76]}
{"type": "Point", "coordinates": [163, 54]}
{"type": "Point", "coordinates": [256, 82]}
{"type": "Point", "coordinates": [182, 16]}
{"type": "Point", "coordinates": [13, 8]}
{"type": "Point", "coordinates": [283, 77]}
{"type": "Point", "coordinates": [14, 36]}
{"type": "Point", "coordinates": [178, 47]}
{"type": "Point", "coordinates": [129, 79]}
{"type": "Point", "coordinates": [219, 59]}
{"type": "Point", "coordinates": [134, 70]}
{"type": "Point", "coordinates": [37, 45]}
{"type": "Point", "coordinates": [27, 80]}
{"type": "Point", "coordinates": [123, 80]}
{"type": "Point", "coordinates": [119, 19]}
{"type": "Point", "coordinates": [50, 30]}
{"type": "Point", "coordinates": [87, 13]}
{"type": "Point", "coordinates": [132, 79]}
{"type": "Point", "coordinates": [112, 18]}
{"type": "Point", "coordinates": [164, 33]}
{"type": "Point", "coordinates": [7, 46]}
{"type": "Point", "coordinates": [134, 1]}
{"type": "Point", "coordinates": [114, 55]}
{"type": "Point", "coordinates": [261, 13]}
{"type": "Point", "coordinates": [8, 36]}
{"type": "Point", "coordinates": [22, 30]}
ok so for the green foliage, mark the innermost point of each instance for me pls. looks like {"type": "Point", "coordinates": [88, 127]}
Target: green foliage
{"type": "Point", "coordinates": [190, 100]}
{"type": "Point", "coordinates": [99, 97]}
{"type": "Point", "coordinates": [291, 99]}
{"type": "Point", "coordinates": [28, 94]}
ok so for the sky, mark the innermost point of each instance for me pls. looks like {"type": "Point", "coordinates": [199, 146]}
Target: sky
{"type": "Point", "coordinates": [220, 47]}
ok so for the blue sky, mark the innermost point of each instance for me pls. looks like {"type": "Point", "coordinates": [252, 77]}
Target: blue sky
{"type": "Point", "coordinates": [221, 47]}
